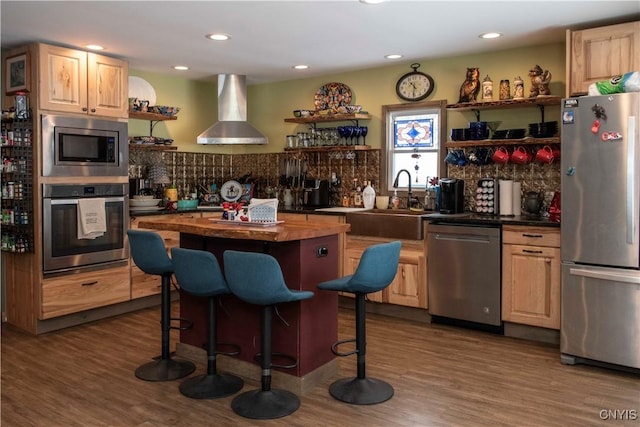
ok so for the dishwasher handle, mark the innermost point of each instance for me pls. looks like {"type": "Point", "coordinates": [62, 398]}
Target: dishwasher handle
{"type": "Point", "coordinates": [470, 238]}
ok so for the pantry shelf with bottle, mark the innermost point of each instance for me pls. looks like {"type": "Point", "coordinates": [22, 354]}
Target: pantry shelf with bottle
{"type": "Point", "coordinates": [17, 185]}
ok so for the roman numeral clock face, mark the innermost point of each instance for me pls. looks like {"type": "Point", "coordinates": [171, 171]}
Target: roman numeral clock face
{"type": "Point", "coordinates": [414, 86]}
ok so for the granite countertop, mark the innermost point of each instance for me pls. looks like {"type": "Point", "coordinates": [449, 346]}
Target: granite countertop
{"type": "Point", "coordinates": [464, 218]}
{"type": "Point", "coordinates": [471, 218]}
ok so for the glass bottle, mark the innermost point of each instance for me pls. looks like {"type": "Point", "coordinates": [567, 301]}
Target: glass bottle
{"type": "Point", "coordinates": [369, 196]}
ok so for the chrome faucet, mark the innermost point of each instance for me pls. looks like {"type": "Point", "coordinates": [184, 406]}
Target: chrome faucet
{"type": "Point", "coordinates": [409, 193]}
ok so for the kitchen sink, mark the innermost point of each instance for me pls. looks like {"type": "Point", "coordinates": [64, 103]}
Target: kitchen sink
{"type": "Point", "coordinates": [391, 223]}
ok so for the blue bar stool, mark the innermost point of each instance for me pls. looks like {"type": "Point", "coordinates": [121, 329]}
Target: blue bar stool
{"type": "Point", "coordinates": [376, 270]}
{"type": "Point", "coordinates": [199, 274]}
{"type": "Point", "coordinates": [150, 255]}
{"type": "Point", "coordinates": [257, 279]}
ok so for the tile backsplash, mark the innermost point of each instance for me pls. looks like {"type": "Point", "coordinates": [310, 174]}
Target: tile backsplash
{"type": "Point", "coordinates": [533, 177]}
{"type": "Point", "coordinates": [187, 169]}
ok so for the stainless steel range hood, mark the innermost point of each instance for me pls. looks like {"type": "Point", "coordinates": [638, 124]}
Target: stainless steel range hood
{"type": "Point", "coordinates": [232, 127]}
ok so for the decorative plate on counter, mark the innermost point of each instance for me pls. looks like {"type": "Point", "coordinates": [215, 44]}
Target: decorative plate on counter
{"type": "Point", "coordinates": [231, 191]}
{"type": "Point", "coordinates": [332, 95]}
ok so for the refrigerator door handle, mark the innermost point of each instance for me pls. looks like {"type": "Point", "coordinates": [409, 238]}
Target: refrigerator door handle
{"type": "Point", "coordinates": [605, 275]}
{"type": "Point", "coordinates": [631, 191]}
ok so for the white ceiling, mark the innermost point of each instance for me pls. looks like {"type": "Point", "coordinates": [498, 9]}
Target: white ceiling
{"type": "Point", "coordinates": [269, 37]}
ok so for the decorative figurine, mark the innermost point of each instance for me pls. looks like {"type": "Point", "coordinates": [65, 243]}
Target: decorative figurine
{"type": "Point", "coordinates": [487, 89]}
{"type": "Point", "coordinates": [539, 82]}
{"type": "Point", "coordinates": [471, 86]}
{"type": "Point", "coordinates": [518, 88]}
{"type": "Point", "coordinates": [505, 90]}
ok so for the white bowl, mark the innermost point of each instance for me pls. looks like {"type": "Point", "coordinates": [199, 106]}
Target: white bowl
{"type": "Point", "coordinates": [141, 197]}
{"type": "Point", "coordinates": [143, 203]}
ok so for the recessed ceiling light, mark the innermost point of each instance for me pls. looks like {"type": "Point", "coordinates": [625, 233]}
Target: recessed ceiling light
{"type": "Point", "coordinates": [300, 67]}
{"type": "Point", "coordinates": [372, 1]}
{"type": "Point", "coordinates": [94, 47]}
{"type": "Point", "coordinates": [490, 35]}
{"type": "Point", "coordinates": [393, 56]}
{"type": "Point", "coordinates": [181, 67]}
{"type": "Point", "coordinates": [218, 36]}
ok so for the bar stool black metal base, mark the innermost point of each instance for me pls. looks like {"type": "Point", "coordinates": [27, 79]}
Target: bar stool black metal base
{"type": "Point", "coordinates": [211, 386]}
{"type": "Point", "coordinates": [165, 370]}
{"type": "Point", "coordinates": [265, 405]}
{"type": "Point", "coordinates": [361, 391]}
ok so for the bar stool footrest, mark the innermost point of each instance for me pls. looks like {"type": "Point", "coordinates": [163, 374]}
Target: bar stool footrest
{"type": "Point", "coordinates": [334, 348]}
{"type": "Point", "coordinates": [361, 391]}
{"type": "Point", "coordinates": [211, 386]}
{"type": "Point", "coordinates": [293, 364]}
{"type": "Point", "coordinates": [189, 323]}
{"type": "Point", "coordinates": [165, 370]}
{"type": "Point", "coordinates": [265, 405]}
{"type": "Point", "coordinates": [234, 352]}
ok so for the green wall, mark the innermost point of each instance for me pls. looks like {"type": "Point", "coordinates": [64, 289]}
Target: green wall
{"type": "Point", "coordinates": [269, 104]}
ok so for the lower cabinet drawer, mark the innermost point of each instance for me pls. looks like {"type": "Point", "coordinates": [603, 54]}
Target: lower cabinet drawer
{"type": "Point", "coordinates": [79, 292]}
{"type": "Point", "coordinates": [533, 236]}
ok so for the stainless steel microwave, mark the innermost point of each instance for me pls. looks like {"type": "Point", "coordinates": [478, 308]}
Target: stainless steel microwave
{"type": "Point", "coordinates": [77, 146]}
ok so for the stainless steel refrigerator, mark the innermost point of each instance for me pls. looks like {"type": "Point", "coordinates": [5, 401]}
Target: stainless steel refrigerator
{"type": "Point", "coordinates": [600, 166]}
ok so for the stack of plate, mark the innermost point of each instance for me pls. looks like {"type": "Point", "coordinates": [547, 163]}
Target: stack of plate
{"type": "Point", "coordinates": [543, 130]}
{"type": "Point", "coordinates": [144, 204]}
{"type": "Point", "coordinates": [509, 134]}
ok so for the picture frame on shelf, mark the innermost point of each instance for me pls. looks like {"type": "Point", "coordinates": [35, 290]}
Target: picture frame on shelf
{"type": "Point", "coordinates": [17, 71]}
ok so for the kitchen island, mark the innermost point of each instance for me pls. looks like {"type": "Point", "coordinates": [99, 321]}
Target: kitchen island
{"type": "Point", "coordinates": [308, 254]}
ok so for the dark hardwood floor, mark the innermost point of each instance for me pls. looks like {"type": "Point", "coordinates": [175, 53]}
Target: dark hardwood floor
{"type": "Point", "coordinates": [443, 376]}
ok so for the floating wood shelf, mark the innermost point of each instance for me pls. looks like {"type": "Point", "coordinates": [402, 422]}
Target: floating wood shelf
{"type": "Point", "coordinates": [139, 115]}
{"type": "Point", "coordinates": [508, 103]}
{"type": "Point", "coordinates": [329, 118]}
{"type": "Point", "coordinates": [499, 142]}
{"type": "Point", "coordinates": [329, 148]}
{"type": "Point", "coordinates": [152, 147]}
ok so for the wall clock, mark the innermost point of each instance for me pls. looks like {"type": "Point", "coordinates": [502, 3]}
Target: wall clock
{"type": "Point", "coordinates": [415, 85]}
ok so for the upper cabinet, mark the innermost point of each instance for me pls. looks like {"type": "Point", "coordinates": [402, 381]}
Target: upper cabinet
{"type": "Point", "coordinates": [600, 53]}
{"type": "Point", "coordinates": [75, 81]}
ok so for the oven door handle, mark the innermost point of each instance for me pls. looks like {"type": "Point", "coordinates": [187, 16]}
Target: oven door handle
{"type": "Point", "coordinates": [75, 201]}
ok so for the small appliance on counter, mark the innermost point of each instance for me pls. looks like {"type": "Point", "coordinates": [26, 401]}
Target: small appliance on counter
{"type": "Point", "coordinates": [451, 196]}
{"type": "Point", "coordinates": [315, 193]}
{"type": "Point", "coordinates": [140, 187]}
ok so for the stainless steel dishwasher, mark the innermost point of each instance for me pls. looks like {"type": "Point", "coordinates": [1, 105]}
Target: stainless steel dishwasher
{"type": "Point", "coordinates": [463, 271]}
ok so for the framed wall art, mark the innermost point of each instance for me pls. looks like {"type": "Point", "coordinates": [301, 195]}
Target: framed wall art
{"type": "Point", "coordinates": [17, 73]}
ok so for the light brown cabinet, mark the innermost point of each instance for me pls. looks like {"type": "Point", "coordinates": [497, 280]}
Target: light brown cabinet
{"type": "Point", "coordinates": [597, 54]}
{"type": "Point", "coordinates": [74, 81]}
{"type": "Point", "coordinates": [409, 287]}
{"type": "Point", "coordinates": [531, 276]}
{"type": "Point", "coordinates": [78, 292]}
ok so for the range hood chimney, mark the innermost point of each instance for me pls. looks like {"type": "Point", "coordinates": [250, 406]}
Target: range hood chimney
{"type": "Point", "coordinates": [232, 126]}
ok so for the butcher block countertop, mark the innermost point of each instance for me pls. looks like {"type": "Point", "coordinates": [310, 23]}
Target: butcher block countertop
{"type": "Point", "coordinates": [210, 227]}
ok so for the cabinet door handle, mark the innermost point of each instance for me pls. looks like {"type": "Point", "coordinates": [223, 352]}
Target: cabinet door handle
{"type": "Point", "coordinates": [95, 282]}
{"type": "Point", "coordinates": [528, 251]}
{"type": "Point", "coordinates": [93, 110]}
{"type": "Point", "coordinates": [531, 235]}
{"type": "Point", "coordinates": [84, 109]}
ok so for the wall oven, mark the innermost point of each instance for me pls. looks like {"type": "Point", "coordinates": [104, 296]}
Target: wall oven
{"type": "Point", "coordinates": [74, 146]}
{"type": "Point", "coordinates": [62, 249]}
